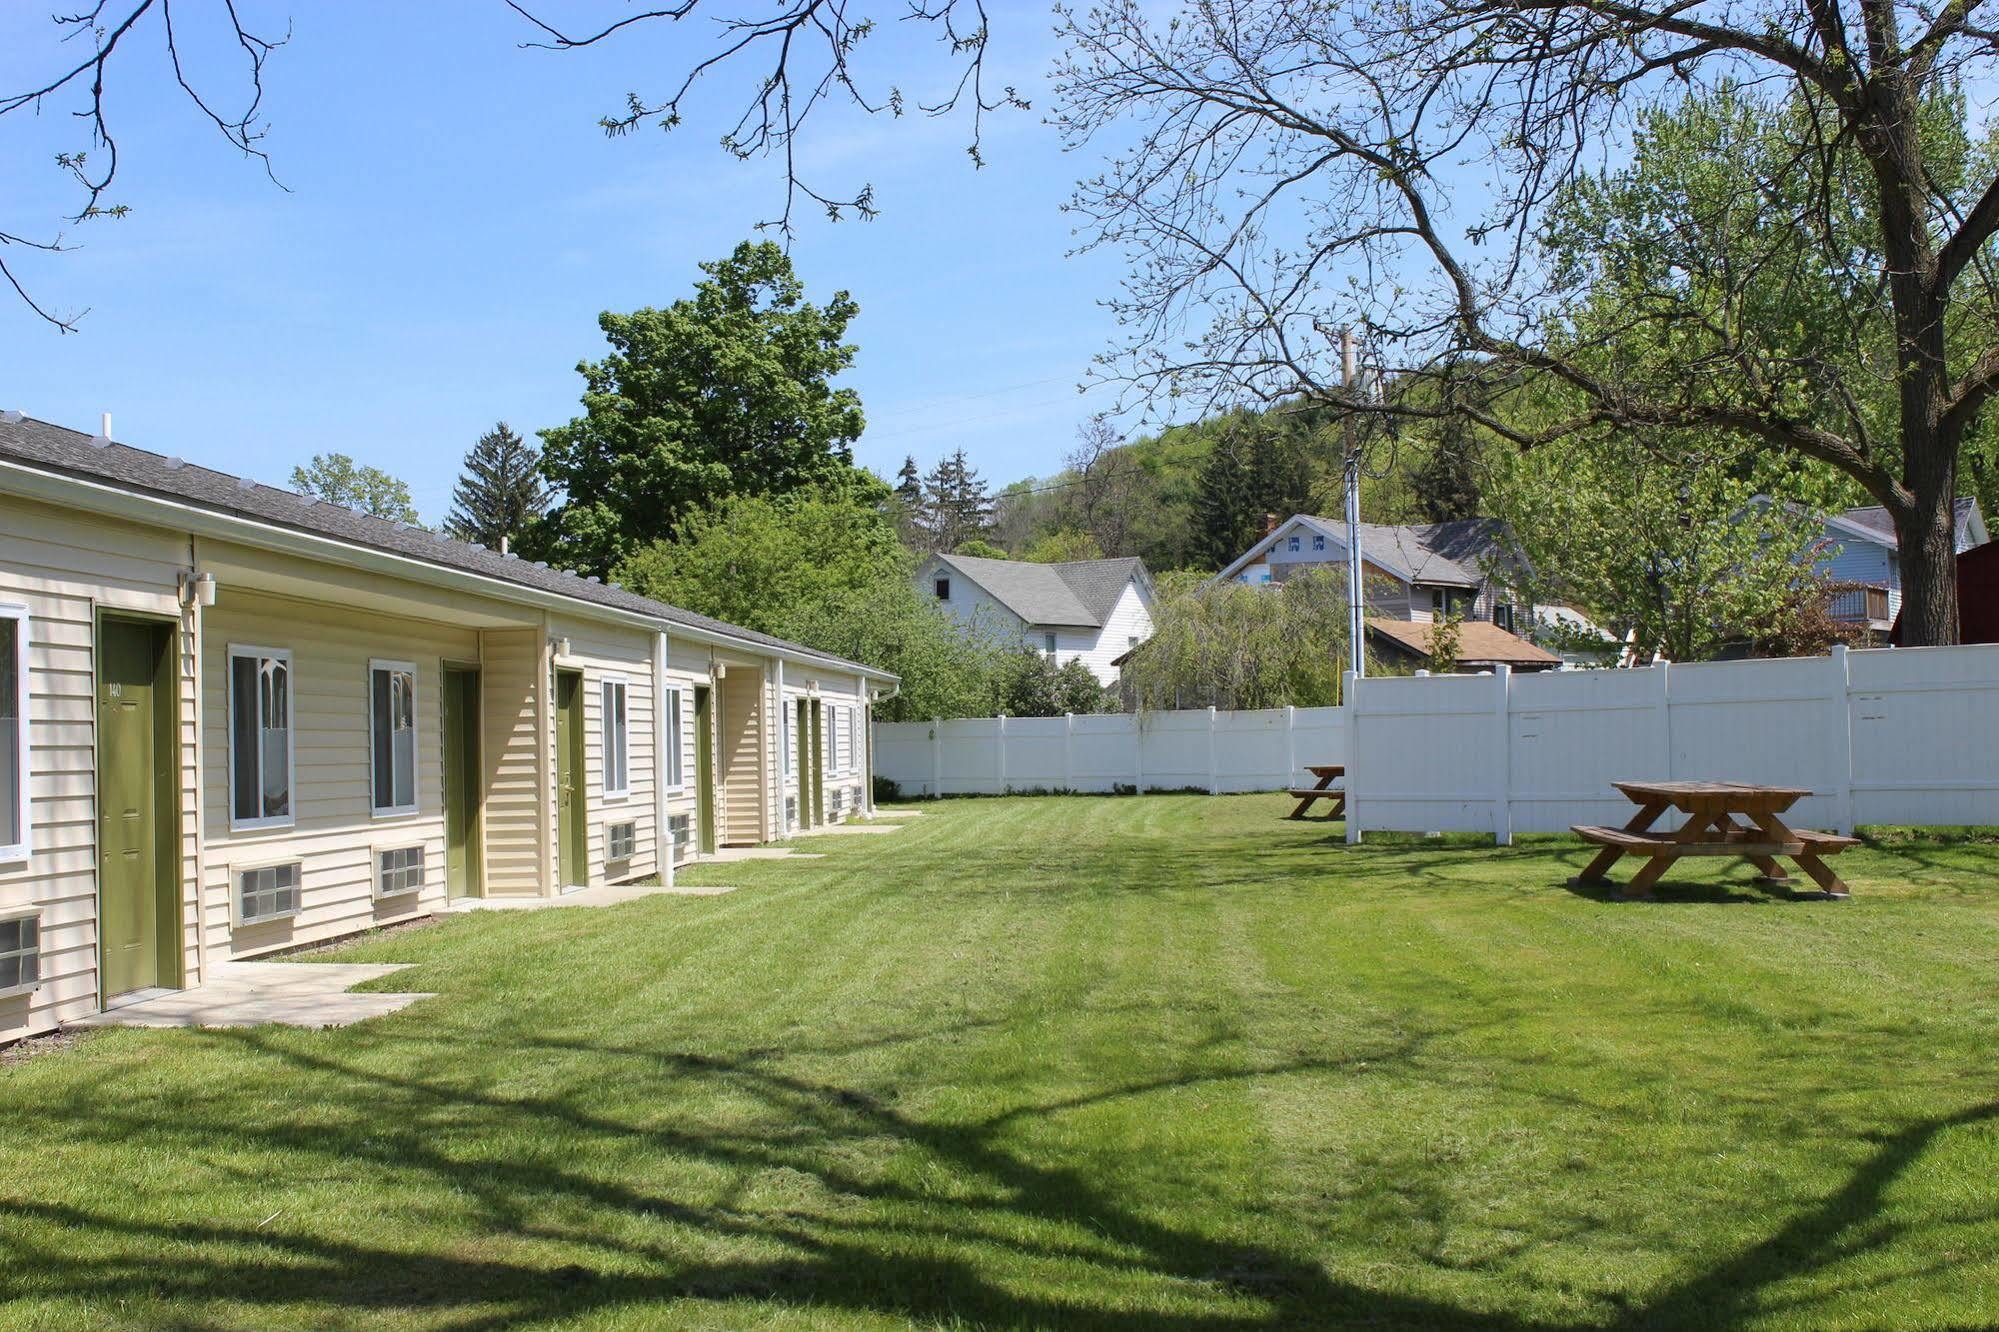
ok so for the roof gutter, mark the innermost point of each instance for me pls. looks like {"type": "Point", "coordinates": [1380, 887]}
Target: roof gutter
{"type": "Point", "coordinates": [97, 497]}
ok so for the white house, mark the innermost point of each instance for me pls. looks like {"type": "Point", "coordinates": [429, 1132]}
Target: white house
{"type": "Point", "coordinates": [1861, 550]}
{"type": "Point", "coordinates": [1092, 610]}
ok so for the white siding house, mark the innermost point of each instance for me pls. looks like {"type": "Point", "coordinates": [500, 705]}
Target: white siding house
{"type": "Point", "coordinates": [1094, 611]}
{"type": "Point", "coordinates": [235, 720]}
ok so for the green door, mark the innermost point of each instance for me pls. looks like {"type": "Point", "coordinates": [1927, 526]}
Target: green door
{"type": "Point", "coordinates": [573, 859]}
{"type": "Point", "coordinates": [804, 734]}
{"type": "Point", "coordinates": [704, 769]}
{"type": "Point", "coordinates": [132, 778]}
{"type": "Point", "coordinates": [460, 715]}
{"type": "Point", "coordinates": [818, 764]}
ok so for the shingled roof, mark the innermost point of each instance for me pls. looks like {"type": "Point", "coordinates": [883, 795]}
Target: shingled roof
{"type": "Point", "coordinates": [61, 452]}
{"type": "Point", "coordinates": [1074, 594]}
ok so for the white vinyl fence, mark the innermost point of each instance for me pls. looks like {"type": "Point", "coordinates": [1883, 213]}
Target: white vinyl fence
{"type": "Point", "coordinates": [1884, 736]}
{"type": "Point", "coordinates": [1167, 751]}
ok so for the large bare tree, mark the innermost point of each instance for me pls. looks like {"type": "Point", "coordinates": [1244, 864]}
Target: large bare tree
{"type": "Point", "coordinates": [1278, 169]}
{"type": "Point", "coordinates": [90, 44]}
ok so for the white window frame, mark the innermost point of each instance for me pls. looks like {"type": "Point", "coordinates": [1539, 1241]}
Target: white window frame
{"type": "Point", "coordinates": [290, 817]}
{"type": "Point", "coordinates": [16, 851]}
{"type": "Point", "coordinates": [605, 684]}
{"type": "Point", "coordinates": [676, 740]}
{"type": "Point", "coordinates": [33, 913]}
{"type": "Point", "coordinates": [1318, 541]}
{"type": "Point", "coordinates": [413, 890]}
{"type": "Point", "coordinates": [236, 872]}
{"type": "Point", "coordinates": [831, 712]}
{"type": "Point", "coordinates": [1048, 646]}
{"type": "Point", "coordinates": [381, 811]}
{"type": "Point", "coordinates": [1292, 544]}
{"type": "Point", "coordinates": [783, 737]}
{"type": "Point", "coordinates": [942, 587]}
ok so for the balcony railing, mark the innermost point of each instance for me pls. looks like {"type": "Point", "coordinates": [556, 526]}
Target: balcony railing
{"type": "Point", "coordinates": [1860, 605]}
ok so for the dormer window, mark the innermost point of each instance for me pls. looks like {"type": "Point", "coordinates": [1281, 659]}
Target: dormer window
{"type": "Point", "coordinates": [943, 589]}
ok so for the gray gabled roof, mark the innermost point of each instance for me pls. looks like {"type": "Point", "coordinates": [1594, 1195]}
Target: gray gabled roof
{"type": "Point", "coordinates": [1076, 594]}
{"type": "Point", "coordinates": [1452, 554]}
{"type": "Point", "coordinates": [1880, 527]}
{"type": "Point", "coordinates": [53, 449]}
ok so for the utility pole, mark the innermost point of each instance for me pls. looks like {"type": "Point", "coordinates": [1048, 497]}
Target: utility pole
{"type": "Point", "coordinates": [1350, 469]}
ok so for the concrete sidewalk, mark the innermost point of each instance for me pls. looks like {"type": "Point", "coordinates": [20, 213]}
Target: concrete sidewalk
{"type": "Point", "coordinates": [254, 994]}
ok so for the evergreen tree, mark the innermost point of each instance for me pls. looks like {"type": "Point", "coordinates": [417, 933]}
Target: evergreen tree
{"type": "Point", "coordinates": [1243, 481]}
{"type": "Point", "coordinates": [1447, 484]}
{"type": "Point", "coordinates": [500, 491]}
{"type": "Point", "coordinates": [958, 504]}
{"type": "Point", "coordinates": [911, 520]}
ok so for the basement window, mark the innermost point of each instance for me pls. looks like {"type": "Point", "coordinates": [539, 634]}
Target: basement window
{"type": "Point", "coordinates": [13, 733]}
{"type": "Point", "coordinates": [20, 954]}
{"type": "Point", "coordinates": [620, 841]}
{"type": "Point", "coordinates": [681, 828]}
{"type": "Point", "coordinates": [267, 892]}
{"type": "Point", "coordinates": [399, 870]}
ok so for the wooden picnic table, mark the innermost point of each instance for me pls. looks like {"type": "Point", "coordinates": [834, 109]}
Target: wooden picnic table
{"type": "Point", "coordinates": [1327, 773]}
{"type": "Point", "coordinates": [1723, 819]}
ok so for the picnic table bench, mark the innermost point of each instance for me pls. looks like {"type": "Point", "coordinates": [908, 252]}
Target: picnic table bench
{"type": "Point", "coordinates": [1327, 773]}
{"type": "Point", "coordinates": [1723, 819]}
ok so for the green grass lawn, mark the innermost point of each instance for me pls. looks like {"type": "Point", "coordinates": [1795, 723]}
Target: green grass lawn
{"type": "Point", "coordinates": [1126, 1063]}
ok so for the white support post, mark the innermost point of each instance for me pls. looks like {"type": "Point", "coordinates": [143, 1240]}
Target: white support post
{"type": "Point", "coordinates": [1502, 805]}
{"type": "Point", "coordinates": [1840, 691]}
{"type": "Point", "coordinates": [783, 751]}
{"type": "Point", "coordinates": [1290, 746]}
{"type": "Point", "coordinates": [936, 756]}
{"type": "Point", "coordinates": [662, 830]}
{"type": "Point", "coordinates": [999, 749]}
{"type": "Point", "coordinates": [1068, 751]}
{"type": "Point", "coordinates": [1350, 697]}
{"type": "Point", "coordinates": [1214, 773]}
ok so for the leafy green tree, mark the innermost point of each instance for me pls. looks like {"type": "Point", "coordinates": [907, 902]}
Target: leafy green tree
{"type": "Point", "coordinates": [1670, 545]}
{"type": "Point", "coordinates": [1063, 545]}
{"type": "Point", "coordinates": [979, 549]}
{"type": "Point", "coordinates": [1078, 690]}
{"type": "Point", "coordinates": [500, 493]}
{"type": "Point", "coordinates": [755, 560]}
{"type": "Point", "coordinates": [824, 567]}
{"type": "Point", "coordinates": [1228, 645]}
{"type": "Point", "coordinates": [337, 479]}
{"type": "Point", "coordinates": [726, 393]}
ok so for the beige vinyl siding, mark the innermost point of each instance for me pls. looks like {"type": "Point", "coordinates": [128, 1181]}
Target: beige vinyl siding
{"type": "Point", "coordinates": [335, 834]}
{"type": "Point", "coordinates": [64, 568]}
{"type": "Point", "coordinates": [601, 651]}
{"type": "Point", "coordinates": [512, 676]}
{"type": "Point", "coordinates": [744, 788]}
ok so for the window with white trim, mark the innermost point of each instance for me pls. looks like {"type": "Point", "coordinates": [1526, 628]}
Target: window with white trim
{"type": "Point", "coordinates": [676, 739]}
{"type": "Point", "coordinates": [1318, 541]}
{"type": "Point", "coordinates": [832, 737]}
{"type": "Point", "coordinates": [266, 892]}
{"type": "Point", "coordinates": [260, 737]}
{"type": "Point", "coordinates": [13, 733]}
{"type": "Point", "coordinates": [783, 736]}
{"type": "Point", "coordinates": [616, 737]}
{"type": "Point", "coordinates": [20, 954]}
{"type": "Point", "coordinates": [392, 736]}
{"type": "Point", "coordinates": [398, 870]}
{"type": "Point", "coordinates": [621, 841]}
{"type": "Point", "coordinates": [680, 828]}
{"type": "Point", "coordinates": [1048, 645]}
{"type": "Point", "coordinates": [1292, 544]}
{"type": "Point", "coordinates": [853, 739]}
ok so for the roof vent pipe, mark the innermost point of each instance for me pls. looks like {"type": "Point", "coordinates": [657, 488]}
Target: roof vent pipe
{"type": "Point", "coordinates": [12, 416]}
{"type": "Point", "coordinates": [103, 432]}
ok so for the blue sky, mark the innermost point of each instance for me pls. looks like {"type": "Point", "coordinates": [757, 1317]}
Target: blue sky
{"type": "Point", "coordinates": [456, 221]}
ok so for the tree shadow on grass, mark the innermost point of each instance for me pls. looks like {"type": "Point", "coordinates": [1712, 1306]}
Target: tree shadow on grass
{"type": "Point", "coordinates": [1003, 1211]}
